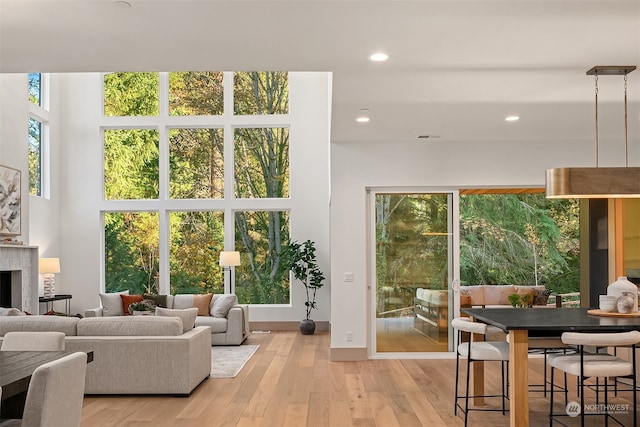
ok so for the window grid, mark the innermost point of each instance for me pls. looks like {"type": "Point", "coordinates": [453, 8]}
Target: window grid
{"type": "Point", "coordinates": [164, 205]}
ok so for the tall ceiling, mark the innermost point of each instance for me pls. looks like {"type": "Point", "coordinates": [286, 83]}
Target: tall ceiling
{"type": "Point", "coordinates": [456, 68]}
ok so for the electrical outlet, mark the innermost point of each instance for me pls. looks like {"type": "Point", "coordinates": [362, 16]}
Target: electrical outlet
{"type": "Point", "coordinates": [348, 277]}
{"type": "Point", "coordinates": [349, 336]}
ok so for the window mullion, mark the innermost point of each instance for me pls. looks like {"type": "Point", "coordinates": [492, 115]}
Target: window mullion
{"type": "Point", "coordinates": [229, 234]}
{"type": "Point", "coordinates": [163, 172]}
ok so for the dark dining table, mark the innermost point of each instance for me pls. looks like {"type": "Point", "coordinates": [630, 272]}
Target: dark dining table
{"type": "Point", "coordinates": [16, 368]}
{"type": "Point", "coordinates": [522, 323]}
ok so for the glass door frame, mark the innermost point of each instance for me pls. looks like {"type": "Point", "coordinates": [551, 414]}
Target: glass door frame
{"type": "Point", "coordinates": [454, 268]}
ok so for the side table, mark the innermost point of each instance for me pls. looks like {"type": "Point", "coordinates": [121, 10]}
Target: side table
{"type": "Point", "coordinates": [48, 301]}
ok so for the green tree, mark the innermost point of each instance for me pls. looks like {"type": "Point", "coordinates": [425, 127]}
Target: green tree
{"type": "Point", "coordinates": [261, 159]}
{"type": "Point", "coordinates": [519, 239]}
{"type": "Point", "coordinates": [131, 252]}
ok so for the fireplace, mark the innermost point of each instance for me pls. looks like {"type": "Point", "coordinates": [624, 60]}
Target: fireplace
{"type": "Point", "coordinates": [5, 289]}
{"type": "Point", "coordinates": [19, 277]}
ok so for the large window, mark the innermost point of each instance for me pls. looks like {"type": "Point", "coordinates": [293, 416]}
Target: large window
{"type": "Point", "coordinates": [35, 157]}
{"type": "Point", "coordinates": [37, 137]}
{"type": "Point", "coordinates": [520, 239]}
{"type": "Point", "coordinates": [196, 163]}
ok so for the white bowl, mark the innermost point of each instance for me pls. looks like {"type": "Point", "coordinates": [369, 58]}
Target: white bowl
{"type": "Point", "coordinates": [608, 306]}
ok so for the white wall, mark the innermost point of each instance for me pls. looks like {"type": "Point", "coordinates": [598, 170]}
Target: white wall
{"type": "Point", "coordinates": [13, 135]}
{"type": "Point", "coordinates": [40, 216]}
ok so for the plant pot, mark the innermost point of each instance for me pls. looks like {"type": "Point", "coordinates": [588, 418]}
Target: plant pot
{"type": "Point", "coordinates": [307, 327]}
{"type": "Point", "coordinates": [142, 313]}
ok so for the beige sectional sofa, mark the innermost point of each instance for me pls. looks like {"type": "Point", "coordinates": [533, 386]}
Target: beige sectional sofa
{"type": "Point", "coordinates": [431, 306]}
{"type": "Point", "coordinates": [495, 295]}
{"type": "Point", "coordinates": [228, 320]}
{"type": "Point", "coordinates": [131, 354]}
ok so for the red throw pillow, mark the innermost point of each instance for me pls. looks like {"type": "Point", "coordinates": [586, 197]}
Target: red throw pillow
{"type": "Point", "coordinates": [128, 300]}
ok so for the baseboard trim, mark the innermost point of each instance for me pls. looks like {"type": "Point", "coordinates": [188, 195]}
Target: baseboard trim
{"type": "Point", "coordinates": [321, 326]}
{"type": "Point", "coordinates": [348, 354]}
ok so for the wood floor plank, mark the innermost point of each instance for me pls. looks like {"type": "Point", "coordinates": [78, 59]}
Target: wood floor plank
{"type": "Point", "coordinates": [279, 386]}
{"type": "Point", "coordinates": [357, 397]}
{"type": "Point", "coordinates": [339, 414]}
{"type": "Point", "coordinates": [296, 414]}
{"type": "Point", "coordinates": [382, 408]}
{"type": "Point", "coordinates": [318, 413]}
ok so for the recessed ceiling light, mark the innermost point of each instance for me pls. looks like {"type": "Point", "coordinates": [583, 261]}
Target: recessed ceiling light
{"type": "Point", "coordinates": [363, 117]}
{"type": "Point", "coordinates": [379, 57]}
{"type": "Point", "coordinates": [512, 118]}
{"type": "Point", "coordinates": [123, 4]}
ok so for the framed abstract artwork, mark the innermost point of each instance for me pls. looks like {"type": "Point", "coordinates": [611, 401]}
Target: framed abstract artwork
{"type": "Point", "coordinates": [10, 201]}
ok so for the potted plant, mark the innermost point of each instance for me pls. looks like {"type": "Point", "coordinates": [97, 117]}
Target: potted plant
{"type": "Point", "coordinates": [141, 308]}
{"type": "Point", "coordinates": [302, 262]}
{"type": "Point", "coordinates": [520, 301]}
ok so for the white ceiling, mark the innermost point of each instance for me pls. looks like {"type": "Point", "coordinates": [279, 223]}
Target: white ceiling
{"type": "Point", "coordinates": [456, 68]}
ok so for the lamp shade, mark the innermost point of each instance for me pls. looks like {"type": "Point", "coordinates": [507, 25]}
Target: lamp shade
{"type": "Point", "coordinates": [229, 258]}
{"type": "Point", "coordinates": [49, 265]}
{"type": "Point", "coordinates": [593, 183]}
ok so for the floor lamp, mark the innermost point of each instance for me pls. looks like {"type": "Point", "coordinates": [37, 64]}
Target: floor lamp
{"type": "Point", "coordinates": [228, 259]}
{"type": "Point", "coordinates": [48, 267]}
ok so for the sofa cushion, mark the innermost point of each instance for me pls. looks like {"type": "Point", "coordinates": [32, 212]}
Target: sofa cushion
{"type": "Point", "coordinates": [159, 300]}
{"type": "Point", "coordinates": [187, 316]}
{"type": "Point", "coordinates": [217, 324]}
{"type": "Point", "coordinates": [476, 293]}
{"type": "Point", "coordinates": [465, 298]}
{"type": "Point", "coordinates": [130, 326]}
{"type": "Point", "coordinates": [439, 297]}
{"type": "Point", "coordinates": [222, 303]}
{"type": "Point", "coordinates": [202, 303]}
{"type": "Point", "coordinates": [497, 294]}
{"type": "Point", "coordinates": [127, 300]}
{"type": "Point", "coordinates": [182, 301]}
{"type": "Point", "coordinates": [112, 303]}
{"type": "Point", "coordinates": [66, 325]}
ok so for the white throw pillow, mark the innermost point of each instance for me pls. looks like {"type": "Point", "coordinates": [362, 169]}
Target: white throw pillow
{"type": "Point", "coordinates": [183, 301]}
{"type": "Point", "coordinates": [188, 316]}
{"type": "Point", "coordinates": [222, 303]}
{"type": "Point", "coordinates": [112, 303]}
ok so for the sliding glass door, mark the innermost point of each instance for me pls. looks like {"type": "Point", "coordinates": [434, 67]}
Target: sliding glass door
{"type": "Point", "coordinates": [413, 236]}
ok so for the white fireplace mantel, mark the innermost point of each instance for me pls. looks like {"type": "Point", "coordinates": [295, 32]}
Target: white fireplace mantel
{"type": "Point", "coordinates": [22, 261]}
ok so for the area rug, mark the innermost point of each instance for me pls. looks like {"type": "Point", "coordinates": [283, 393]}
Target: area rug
{"type": "Point", "coordinates": [228, 361]}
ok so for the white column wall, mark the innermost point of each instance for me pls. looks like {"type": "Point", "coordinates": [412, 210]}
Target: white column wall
{"type": "Point", "coordinates": [81, 186]}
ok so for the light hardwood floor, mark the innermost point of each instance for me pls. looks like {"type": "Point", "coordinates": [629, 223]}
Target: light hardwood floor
{"type": "Point", "coordinates": [291, 382]}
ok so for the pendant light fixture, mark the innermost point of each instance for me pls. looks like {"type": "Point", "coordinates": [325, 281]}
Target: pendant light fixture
{"type": "Point", "coordinates": [597, 182]}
